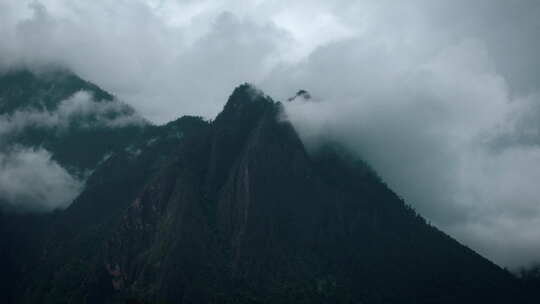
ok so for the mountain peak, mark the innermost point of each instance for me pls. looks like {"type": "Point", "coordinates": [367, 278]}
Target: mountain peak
{"type": "Point", "coordinates": [236, 210]}
{"type": "Point", "coordinates": [42, 90]}
{"type": "Point", "coordinates": [300, 95]}
{"type": "Point", "coordinates": [244, 94]}
{"type": "Point", "coordinates": [246, 103]}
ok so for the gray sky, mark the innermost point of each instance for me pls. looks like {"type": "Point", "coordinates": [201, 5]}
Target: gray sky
{"type": "Point", "coordinates": [441, 97]}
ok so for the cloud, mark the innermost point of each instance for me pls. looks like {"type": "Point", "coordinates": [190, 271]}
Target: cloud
{"type": "Point", "coordinates": [167, 58]}
{"type": "Point", "coordinates": [80, 109]}
{"type": "Point", "coordinates": [31, 180]}
{"type": "Point", "coordinates": [441, 97]}
{"type": "Point", "coordinates": [438, 132]}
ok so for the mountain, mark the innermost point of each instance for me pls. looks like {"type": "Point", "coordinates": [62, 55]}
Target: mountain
{"type": "Point", "coordinates": [236, 210]}
{"type": "Point", "coordinates": [76, 121]}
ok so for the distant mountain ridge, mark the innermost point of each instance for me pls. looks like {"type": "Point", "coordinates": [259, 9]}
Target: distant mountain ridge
{"type": "Point", "coordinates": [42, 90]}
{"type": "Point", "coordinates": [235, 210]}
{"type": "Point", "coordinates": [39, 107]}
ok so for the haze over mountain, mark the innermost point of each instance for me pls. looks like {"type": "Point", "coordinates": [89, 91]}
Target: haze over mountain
{"type": "Point", "coordinates": [54, 130]}
{"type": "Point", "coordinates": [440, 97]}
{"type": "Point", "coordinates": [231, 210]}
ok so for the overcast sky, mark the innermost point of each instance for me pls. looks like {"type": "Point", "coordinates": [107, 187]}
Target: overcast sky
{"type": "Point", "coordinates": [441, 97]}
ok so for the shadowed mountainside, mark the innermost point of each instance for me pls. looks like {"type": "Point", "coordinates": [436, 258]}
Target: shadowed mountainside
{"type": "Point", "coordinates": [76, 121]}
{"type": "Point", "coordinates": [237, 211]}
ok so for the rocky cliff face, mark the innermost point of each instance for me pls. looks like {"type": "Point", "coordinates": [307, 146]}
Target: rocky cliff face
{"type": "Point", "coordinates": [237, 211]}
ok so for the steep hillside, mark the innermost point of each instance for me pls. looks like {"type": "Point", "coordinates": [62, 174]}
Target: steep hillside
{"type": "Point", "coordinates": [237, 211]}
{"type": "Point", "coordinates": [254, 218]}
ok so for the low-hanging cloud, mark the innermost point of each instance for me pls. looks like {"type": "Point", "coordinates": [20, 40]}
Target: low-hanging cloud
{"type": "Point", "coordinates": [441, 97]}
{"type": "Point", "coordinates": [81, 110]}
{"type": "Point", "coordinates": [31, 180]}
{"type": "Point", "coordinates": [434, 132]}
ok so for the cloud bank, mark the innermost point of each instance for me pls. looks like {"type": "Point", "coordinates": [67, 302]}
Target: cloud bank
{"type": "Point", "coordinates": [31, 180]}
{"type": "Point", "coordinates": [444, 135]}
{"type": "Point", "coordinates": [80, 109]}
{"type": "Point", "coordinates": [441, 97]}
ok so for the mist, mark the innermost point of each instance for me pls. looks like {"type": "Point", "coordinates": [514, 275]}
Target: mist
{"type": "Point", "coordinates": [74, 110]}
{"type": "Point", "coordinates": [437, 134]}
{"type": "Point", "coordinates": [441, 98]}
{"type": "Point", "coordinates": [31, 180]}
